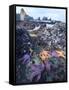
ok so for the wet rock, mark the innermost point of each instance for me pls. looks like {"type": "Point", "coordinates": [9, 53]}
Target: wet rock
{"type": "Point", "coordinates": [23, 42]}
{"type": "Point", "coordinates": [55, 37]}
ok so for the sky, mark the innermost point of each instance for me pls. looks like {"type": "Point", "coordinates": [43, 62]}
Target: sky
{"type": "Point", "coordinates": [54, 14]}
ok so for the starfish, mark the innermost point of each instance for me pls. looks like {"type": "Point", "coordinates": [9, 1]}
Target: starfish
{"type": "Point", "coordinates": [60, 53]}
{"type": "Point", "coordinates": [44, 55]}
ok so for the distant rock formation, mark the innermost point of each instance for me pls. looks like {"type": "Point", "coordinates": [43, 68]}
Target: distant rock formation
{"type": "Point", "coordinates": [23, 16]}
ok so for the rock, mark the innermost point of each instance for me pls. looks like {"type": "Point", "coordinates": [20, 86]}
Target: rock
{"type": "Point", "coordinates": [55, 37]}
{"type": "Point", "coordinates": [23, 42]}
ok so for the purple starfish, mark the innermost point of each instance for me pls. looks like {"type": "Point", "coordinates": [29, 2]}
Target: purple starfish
{"type": "Point", "coordinates": [36, 71]}
{"type": "Point", "coordinates": [25, 59]}
{"type": "Point", "coordinates": [53, 54]}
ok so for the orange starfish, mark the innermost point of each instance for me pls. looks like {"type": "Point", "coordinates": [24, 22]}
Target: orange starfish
{"type": "Point", "coordinates": [44, 55]}
{"type": "Point", "coordinates": [60, 53]}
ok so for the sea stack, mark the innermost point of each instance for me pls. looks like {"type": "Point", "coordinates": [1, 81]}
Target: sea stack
{"type": "Point", "coordinates": [22, 14]}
